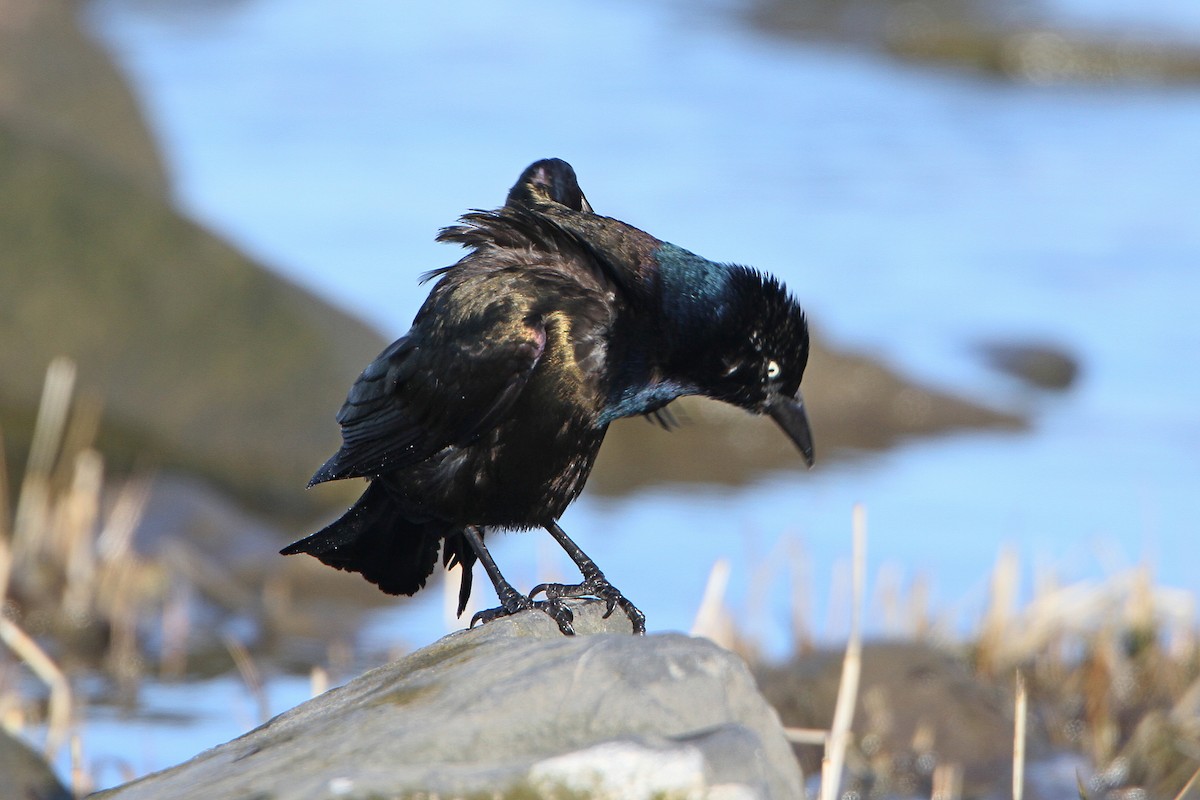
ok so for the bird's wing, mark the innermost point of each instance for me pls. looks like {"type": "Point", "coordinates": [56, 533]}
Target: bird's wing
{"type": "Point", "coordinates": [432, 389]}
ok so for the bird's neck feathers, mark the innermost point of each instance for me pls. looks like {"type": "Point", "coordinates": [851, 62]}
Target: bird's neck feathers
{"type": "Point", "coordinates": [670, 357]}
{"type": "Point", "coordinates": [694, 290]}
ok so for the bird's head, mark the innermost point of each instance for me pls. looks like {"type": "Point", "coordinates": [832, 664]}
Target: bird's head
{"type": "Point", "coordinates": [550, 180]}
{"type": "Point", "coordinates": [759, 353]}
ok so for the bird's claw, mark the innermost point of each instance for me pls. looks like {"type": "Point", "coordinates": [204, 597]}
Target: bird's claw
{"type": "Point", "coordinates": [489, 614]}
{"type": "Point", "coordinates": [599, 588]}
{"type": "Point", "coordinates": [515, 603]}
{"type": "Point", "coordinates": [559, 612]}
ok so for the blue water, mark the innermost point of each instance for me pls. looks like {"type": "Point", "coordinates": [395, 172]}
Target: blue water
{"type": "Point", "coordinates": [172, 723]}
{"type": "Point", "coordinates": [915, 211]}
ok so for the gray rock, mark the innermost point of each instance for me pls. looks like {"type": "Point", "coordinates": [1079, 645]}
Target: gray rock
{"type": "Point", "coordinates": [25, 775]}
{"type": "Point", "coordinates": [1045, 366]}
{"type": "Point", "coordinates": [517, 709]}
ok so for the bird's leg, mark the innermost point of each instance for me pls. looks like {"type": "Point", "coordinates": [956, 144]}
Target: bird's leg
{"type": "Point", "coordinates": [512, 601]}
{"type": "Point", "coordinates": [594, 583]}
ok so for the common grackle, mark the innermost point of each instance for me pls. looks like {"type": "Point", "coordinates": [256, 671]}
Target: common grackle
{"type": "Point", "coordinates": [490, 411]}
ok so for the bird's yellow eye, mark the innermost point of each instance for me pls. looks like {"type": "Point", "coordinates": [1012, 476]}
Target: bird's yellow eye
{"type": "Point", "coordinates": [773, 370]}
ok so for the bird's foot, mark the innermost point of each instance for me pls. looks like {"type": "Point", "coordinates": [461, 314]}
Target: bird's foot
{"type": "Point", "coordinates": [513, 602]}
{"type": "Point", "coordinates": [599, 587]}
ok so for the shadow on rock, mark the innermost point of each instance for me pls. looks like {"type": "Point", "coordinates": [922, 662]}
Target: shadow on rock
{"type": "Point", "coordinates": [26, 775]}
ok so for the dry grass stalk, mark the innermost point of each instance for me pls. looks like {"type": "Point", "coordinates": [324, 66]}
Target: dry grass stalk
{"type": "Point", "coordinates": [711, 621]}
{"type": "Point", "coordinates": [250, 675]}
{"type": "Point", "coordinates": [33, 504]}
{"type": "Point", "coordinates": [53, 563]}
{"type": "Point", "coordinates": [5, 565]}
{"type": "Point", "coordinates": [817, 736]}
{"type": "Point", "coordinates": [176, 626]}
{"type": "Point", "coordinates": [27, 541]}
{"type": "Point", "coordinates": [887, 601]}
{"type": "Point", "coordinates": [947, 782]}
{"type": "Point", "coordinates": [1183, 793]}
{"type": "Point", "coordinates": [5, 532]}
{"type": "Point", "coordinates": [74, 528]}
{"type": "Point", "coordinates": [1001, 607]}
{"type": "Point", "coordinates": [48, 672]}
{"type": "Point", "coordinates": [1100, 677]}
{"type": "Point", "coordinates": [1112, 669]}
{"type": "Point", "coordinates": [115, 542]}
{"type": "Point", "coordinates": [1019, 720]}
{"type": "Point", "coordinates": [1060, 614]}
{"type": "Point", "coordinates": [1079, 785]}
{"type": "Point", "coordinates": [843, 713]}
{"type": "Point", "coordinates": [1109, 665]}
{"type": "Point", "coordinates": [318, 680]}
{"type": "Point", "coordinates": [206, 575]}
{"type": "Point", "coordinates": [121, 605]}
{"type": "Point", "coordinates": [920, 625]}
{"type": "Point", "coordinates": [81, 781]}
{"type": "Point", "coordinates": [125, 586]}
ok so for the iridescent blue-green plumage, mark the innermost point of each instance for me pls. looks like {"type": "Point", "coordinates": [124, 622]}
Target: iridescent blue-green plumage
{"type": "Point", "coordinates": [489, 412]}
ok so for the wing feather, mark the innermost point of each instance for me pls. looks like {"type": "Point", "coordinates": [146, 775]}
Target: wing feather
{"type": "Point", "coordinates": [418, 398]}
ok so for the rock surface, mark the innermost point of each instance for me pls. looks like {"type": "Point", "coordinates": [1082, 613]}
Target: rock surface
{"type": "Point", "coordinates": [1039, 364]}
{"type": "Point", "coordinates": [25, 775]}
{"type": "Point", "coordinates": [515, 709]}
{"type": "Point", "coordinates": [1019, 43]}
{"type": "Point", "coordinates": [60, 88]}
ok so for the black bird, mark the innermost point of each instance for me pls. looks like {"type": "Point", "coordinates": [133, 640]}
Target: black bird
{"type": "Point", "coordinates": [490, 411]}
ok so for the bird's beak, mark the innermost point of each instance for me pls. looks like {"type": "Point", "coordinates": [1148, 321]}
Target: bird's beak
{"type": "Point", "coordinates": [788, 413]}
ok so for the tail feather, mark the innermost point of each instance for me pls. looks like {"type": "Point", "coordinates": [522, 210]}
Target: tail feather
{"type": "Point", "coordinates": [457, 551]}
{"type": "Point", "coordinates": [375, 538]}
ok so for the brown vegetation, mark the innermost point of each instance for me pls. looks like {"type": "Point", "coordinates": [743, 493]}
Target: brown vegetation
{"type": "Point", "coordinates": [1111, 671]}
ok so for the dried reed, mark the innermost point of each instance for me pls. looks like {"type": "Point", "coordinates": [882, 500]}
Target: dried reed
{"type": "Point", "coordinates": [61, 705]}
{"type": "Point", "coordinates": [251, 676]}
{"type": "Point", "coordinates": [947, 782]}
{"type": "Point", "coordinates": [1191, 784]}
{"type": "Point", "coordinates": [1019, 719]}
{"type": "Point", "coordinates": [30, 521]}
{"type": "Point", "coordinates": [61, 558]}
{"type": "Point", "coordinates": [843, 713]}
{"type": "Point", "coordinates": [712, 621]}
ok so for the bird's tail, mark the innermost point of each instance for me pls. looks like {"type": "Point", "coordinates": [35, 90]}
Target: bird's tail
{"type": "Point", "coordinates": [376, 539]}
